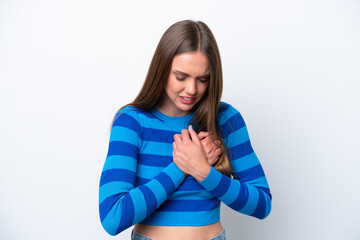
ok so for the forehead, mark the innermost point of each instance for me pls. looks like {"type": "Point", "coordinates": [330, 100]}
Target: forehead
{"type": "Point", "coordinates": [192, 63]}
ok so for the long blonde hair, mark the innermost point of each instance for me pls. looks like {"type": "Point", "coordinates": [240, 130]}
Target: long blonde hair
{"type": "Point", "coordinates": [181, 37]}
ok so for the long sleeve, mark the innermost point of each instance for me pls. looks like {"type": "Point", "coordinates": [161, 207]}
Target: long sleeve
{"type": "Point", "coordinates": [248, 191]}
{"type": "Point", "coordinates": [121, 204]}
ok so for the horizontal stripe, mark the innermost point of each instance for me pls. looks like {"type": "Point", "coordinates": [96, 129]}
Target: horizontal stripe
{"type": "Point", "coordinates": [122, 162]}
{"type": "Point", "coordinates": [238, 137]}
{"type": "Point", "coordinates": [232, 124]}
{"type": "Point", "coordinates": [200, 218]}
{"type": "Point", "coordinates": [125, 120]}
{"type": "Point", "coordinates": [259, 182]}
{"type": "Point", "coordinates": [157, 148]}
{"type": "Point", "coordinates": [158, 135]}
{"type": "Point", "coordinates": [240, 150]}
{"type": "Point", "coordinates": [122, 148]}
{"type": "Point", "coordinates": [119, 175]}
{"type": "Point", "coordinates": [251, 173]}
{"type": "Point", "coordinates": [244, 163]}
{"type": "Point", "coordinates": [191, 195]}
{"type": "Point", "coordinates": [113, 188]}
{"type": "Point", "coordinates": [189, 205]}
{"type": "Point", "coordinates": [119, 133]}
{"type": "Point", "coordinates": [154, 160]}
{"type": "Point", "coordinates": [148, 172]}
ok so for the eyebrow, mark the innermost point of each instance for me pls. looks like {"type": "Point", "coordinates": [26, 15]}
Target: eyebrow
{"type": "Point", "coordinates": [187, 75]}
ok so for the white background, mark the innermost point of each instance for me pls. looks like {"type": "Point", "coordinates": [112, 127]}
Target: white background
{"type": "Point", "coordinates": [292, 68]}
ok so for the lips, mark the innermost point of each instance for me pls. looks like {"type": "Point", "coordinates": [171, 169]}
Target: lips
{"type": "Point", "coordinates": [187, 100]}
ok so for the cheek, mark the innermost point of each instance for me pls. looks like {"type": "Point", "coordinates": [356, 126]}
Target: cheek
{"type": "Point", "coordinates": [203, 88]}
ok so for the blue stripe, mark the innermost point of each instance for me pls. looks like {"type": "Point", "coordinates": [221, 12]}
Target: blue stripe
{"type": "Point", "coordinates": [238, 137]}
{"type": "Point", "coordinates": [158, 135]}
{"type": "Point", "coordinates": [223, 107]}
{"type": "Point", "coordinates": [260, 210]}
{"type": "Point", "coordinates": [230, 196]}
{"type": "Point", "coordinates": [166, 182]}
{"type": "Point", "coordinates": [113, 175]}
{"type": "Point", "coordinates": [189, 205]}
{"type": "Point", "coordinates": [122, 148]}
{"type": "Point", "coordinates": [241, 150]}
{"type": "Point", "coordinates": [190, 184]}
{"type": "Point", "coordinates": [194, 195]}
{"type": "Point", "coordinates": [157, 148]}
{"type": "Point", "coordinates": [107, 204]}
{"type": "Point", "coordinates": [242, 197]}
{"type": "Point", "coordinates": [113, 188]}
{"type": "Point", "coordinates": [150, 199]}
{"type": "Point", "coordinates": [244, 163]}
{"type": "Point", "coordinates": [127, 213]}
{"type": "Point", "coordinates": [118, 161]}
{"type": "Point", "coordinates": [141, 181]}
{"type": "Point", "coordinates": [154, 160]}
{"type": "Point", "coordinates": [222, 187]}
{"type": "Point", "coordinates": [183, 218]}
{"type": "Point", "coordinates": [187, 185]}
{"type": "Point", "coordinates": [127, 121]}
{"type": "Point", "coordinates": [149, 115]}
{"type": "Point", "coordinates": [232, 124]}
{"type": "Point", "coordinates": [148, 172]}
{"type": "Point", "coordinates": [251, 173]}
{"type": "Point", "coordinates": [119, 133]}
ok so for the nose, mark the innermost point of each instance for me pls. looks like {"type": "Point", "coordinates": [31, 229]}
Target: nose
{"type": "Point", "coordinates": [191, 88]}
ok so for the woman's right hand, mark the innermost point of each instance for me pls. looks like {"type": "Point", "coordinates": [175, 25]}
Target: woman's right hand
{"type": "Point", "coordinates": [212, 148]}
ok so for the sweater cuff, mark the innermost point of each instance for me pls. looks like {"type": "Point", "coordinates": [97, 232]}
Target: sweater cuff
{"type": "Point", "coordinates": [212, 179]}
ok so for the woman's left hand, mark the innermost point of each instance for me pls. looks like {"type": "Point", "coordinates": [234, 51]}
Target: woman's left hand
{"type": "Point", "coordinates": [189, 154]}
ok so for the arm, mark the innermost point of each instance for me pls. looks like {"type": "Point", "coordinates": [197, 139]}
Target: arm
{"type": "Point", "coordinates": [121, 204]}
{"type": "Point", "coordinates": [248, 192]}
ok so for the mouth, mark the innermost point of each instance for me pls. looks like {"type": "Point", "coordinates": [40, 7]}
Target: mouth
{"type": "Point", "coordinates": [187, 100]}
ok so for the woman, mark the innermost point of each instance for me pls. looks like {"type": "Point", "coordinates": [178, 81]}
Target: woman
{"type": "Point", "coordinates": [176, 151]}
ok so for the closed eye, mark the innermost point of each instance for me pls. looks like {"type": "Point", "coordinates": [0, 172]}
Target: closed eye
{"type": "Point", "coordinates": [179, 78]}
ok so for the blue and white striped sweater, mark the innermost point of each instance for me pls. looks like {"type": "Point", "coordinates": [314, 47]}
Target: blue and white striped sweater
{"type": "Point", "coordinates": [140, 182]}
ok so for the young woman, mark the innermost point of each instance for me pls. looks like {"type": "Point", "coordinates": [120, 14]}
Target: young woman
{"type": "Point", "coordinates": [176, 152]}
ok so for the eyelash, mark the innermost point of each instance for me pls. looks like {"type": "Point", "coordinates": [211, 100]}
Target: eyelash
{"type": "Point", "coordinates": [182, 79]}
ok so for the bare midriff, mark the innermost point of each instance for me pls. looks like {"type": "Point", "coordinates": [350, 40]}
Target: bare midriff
{"type": "Point", "coordinates": [179, 232]}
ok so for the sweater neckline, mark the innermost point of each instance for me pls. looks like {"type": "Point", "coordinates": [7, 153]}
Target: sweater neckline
{"type": "Point", "coordinates": [171, 119]}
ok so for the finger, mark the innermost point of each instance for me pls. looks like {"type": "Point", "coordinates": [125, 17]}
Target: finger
{"type": "Point", "coordinates": [185, 135]}
{"type": "Point", "coordinates": [193, 134]}
{"type": "Point", "coordinates": [214, 160]}
{"type": "Point", "coordinates": [177, 138]}
{"type": "Point", "coordinates": [174, 145]}
{"type": "Point", "coordinates": [202, 135]}
{"type": "Point", "coordinates": [217, 143]}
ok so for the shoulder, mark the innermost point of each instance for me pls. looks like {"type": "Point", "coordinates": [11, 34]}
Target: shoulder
{"type": "Point", "coordinates": [229, 118]}
{"type": "Point", "coordinates": [132, 114]}
{"type": "Point", "coordinates": [227, 111]}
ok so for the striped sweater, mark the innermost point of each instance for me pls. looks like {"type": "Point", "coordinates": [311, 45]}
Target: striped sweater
{"type": "Point", "coordinates": [141, 183]}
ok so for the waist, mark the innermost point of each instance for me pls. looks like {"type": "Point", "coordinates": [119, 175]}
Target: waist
{"type": "Point", "coordinates": [180, 232]}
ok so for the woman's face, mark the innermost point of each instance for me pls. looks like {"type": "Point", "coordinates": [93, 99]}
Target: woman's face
{"type": "Point", "coordinates": [186, 84]}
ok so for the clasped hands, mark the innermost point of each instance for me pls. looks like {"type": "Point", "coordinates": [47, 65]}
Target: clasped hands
{"type": "Point", "coordinates": [194, 153]}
